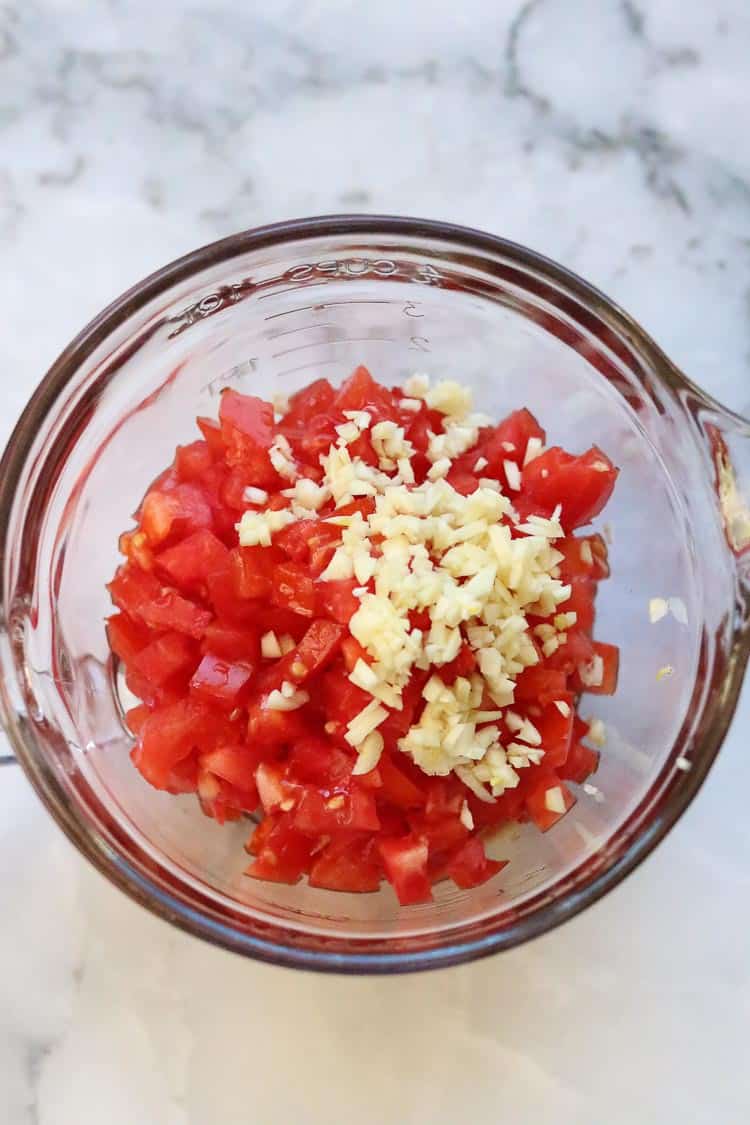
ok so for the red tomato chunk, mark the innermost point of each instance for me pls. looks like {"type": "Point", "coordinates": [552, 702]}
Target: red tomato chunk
{"type": "Point", "coordinates": [241, 655]}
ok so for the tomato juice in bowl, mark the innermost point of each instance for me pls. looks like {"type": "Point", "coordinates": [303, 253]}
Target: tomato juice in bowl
{"type": "Point", "coordinates": [263, 313]}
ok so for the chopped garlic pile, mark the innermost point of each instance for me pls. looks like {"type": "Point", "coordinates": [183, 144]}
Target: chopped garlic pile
{"type": "Point", "coordinates": [430, 549]}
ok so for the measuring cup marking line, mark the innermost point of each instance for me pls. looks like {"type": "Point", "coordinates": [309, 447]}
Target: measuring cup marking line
{"type": "Point", "coordinates": [306, 367]}
{"type": "Point", "coordinates": [301, 328]}
{"type": "Point", "coordinates": [328, 343]}
{"type": "Point", "coordinates": [291, 289]}
{"type": "Point", "coordinates": [322, 305]}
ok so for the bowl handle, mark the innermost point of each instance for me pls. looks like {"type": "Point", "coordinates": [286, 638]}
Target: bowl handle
{"type": "Point", "coordinates": [729, 444]}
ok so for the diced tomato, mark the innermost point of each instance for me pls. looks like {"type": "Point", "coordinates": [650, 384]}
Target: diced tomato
{"type": "Point", "coordinates": [134, 545]}
{"type": "Point", "coordinates": [581, 485]}
{"type": "Point", "coordinates": [405, 862]}
{"type": "Point", "coordinates": [337, 599]}
{"type": "Point", "coordinates": [398, 722]}
{"type": "Point", "coordinates": [316, 649]}
{"type": "Point", "coordinates": [293, 588]}
{"type": "Point", "coordinates": [582, 761]}
{"type": "Point", "coordinates": [581, 602]}
{"type": "Point", "coordinates": [270, 729]}
{"type": "Point", "coordinates": [537, 684]}
{"type": "Point", "coordinates": [577, 649]}
{"type": "Point", "coordinates": [211, 431]}
{"type": "Point", "coordinates": [183, 776]}
{"type": "Point", "coordinates": [182, 510]}
{"type": "Point", "coordinates": [398, 788]}
{"type": "Point", "coordinates": [192, 559]}
{"type": "Point", "coordinates": [469, 866]}
{"type": "Point", "coordinates": [284, 856]}
{"type": "Point", "coordinates": [247, 428]}
{"type": "Point", "coordinates": [221, 681]}
{"type": "Point", "coordinates": [169, 734]}
{"type": "Point", "coordinates": [556, 728]}
{"type": "Point", "coordinates": [605, 661]}
{"type": "Point", "coordinates": [445, 796]}
{"type": "Point", "coordinates": [319, 815]}
{"type": "Point", "coordinates": [441, 833]}
{"type": "Point", "coordinates": [136, 717]}
{"type": "Point", "coordinates": [352, 651]}
{"type": "Point", "coordinates": [538, 800]}
{"type": "Point", "coordinates": [293, 539]}
{"type": "Point", "coordinates": [232, 642]}
{"type": "Point", "coordinates": [250, 415]}
{"type": "Point", "coordinates": [585, 557]}
{"type": "Point", "coordinates": [166, 656]}
{"type": "Point", "coordinates": [223, 596]}
{"type": "Point", "coordinates": [508, 442]}
{"type": "Point", "coordinates": [140, 595]}
{"type": "Point", "coordinates": [193, 605]}
{"type": "Point", "coordinates": [360, 391]}
{"type": "Point", "coordinates": [253, 569]}
{"type": "Point", "coordinates": [193, 461]}
{"type": "Point", "coordinates": [347, 865]}
{"type": "Point", "coordinates": [236, 764]}
{"type": "Point", "coordinates": [126, 637]}
{"type": "Point", "coordinates": [272, 786]}
{"type": "Point", "coordinates": [316, 761]}
{"type": "Point", "coordinates": [310, 402]}
{"type": "Point", "coordinates": [463, 665]}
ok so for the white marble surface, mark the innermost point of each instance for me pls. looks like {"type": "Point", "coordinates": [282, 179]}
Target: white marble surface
{"type": "Point", "coordinates": [612, 136]}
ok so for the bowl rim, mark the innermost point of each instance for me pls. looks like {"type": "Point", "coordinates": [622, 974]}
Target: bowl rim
{"type": "Point", "coordinates": [116, 867]}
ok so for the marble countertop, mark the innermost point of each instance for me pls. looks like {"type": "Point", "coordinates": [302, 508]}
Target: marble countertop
{"type": "Point", "coordinates": [610, 135]}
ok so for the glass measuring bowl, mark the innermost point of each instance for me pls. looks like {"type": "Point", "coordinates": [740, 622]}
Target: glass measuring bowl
{"type": "Point", "coordinates": [267, 311]}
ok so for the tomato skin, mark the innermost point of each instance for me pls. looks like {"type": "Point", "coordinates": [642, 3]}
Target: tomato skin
{"type": "Point", "coordinates": [126, 637]}
{"type": "Point", "coordinates": [347, 865]}
{"type": "Point", "coordinates": [166, 656]}
{"type": "Point", "coordinates": [232, 642]}
{"type": "Point", "coordinates": [514, 431]}
{"type": "Point", "coordinates": [250, 415]}
{"type": "Point", "coordinates": [581, 485]}
{"type": "Point", "coordinates": [360, 391]}
{"type": "Point", "coordinates": [581, 602]}
{"type": "Point", "coordinates": [576, 553]}
{"type": "Point", "coordinates": [314, 399]}
{"type": "Point", "coordinates": [190, 561]}
{"type": "Point", "coordinates": [398, 788]}
{"type": "Point", "coordinates": [610, 658]}
{"type": "Point", "coordinates": [469, 866]}
{"type": "Point", "coordinates": [318, 762]}
{"type": "Point", "coordinates": [293, 588]}
{"type": "Point", "coordinates": [211, 431]}
{"type": "Point", "coordinates": [193, 461]}
{"type": "Point", "coordinates": [168, 735]}
{"type": "Point", "coordinates": [220, 681]}
{"type": "Point", "coordinates": [405, 862]}
{"type": "Point", "coordinates": [284, 855]}
{"type": "Point", "coordinates": [140, 595]}
{"type": "Point", "coordinates": [352, 651]}
{"type": "Point", "coordinates": [337, 599]}
{"type": "Point", "coordinates": [185, 508]}
{"type": "Point", "coordinates": [271, 729]}
{"type": "Point", "coordinates": [581, 762]}
{"type": "Point", "coordinates": [318, 815]}
{"type": "Point", "coordinates": [252, 570]}
{"type": "Point", "coordinates": [535, 801]}
{"type": "Point", "coordinates": [537, 684]}
{"type": "Point", "coordinates": [235, 764]}
{"type": "Point", "coordinates": [556, 729]}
